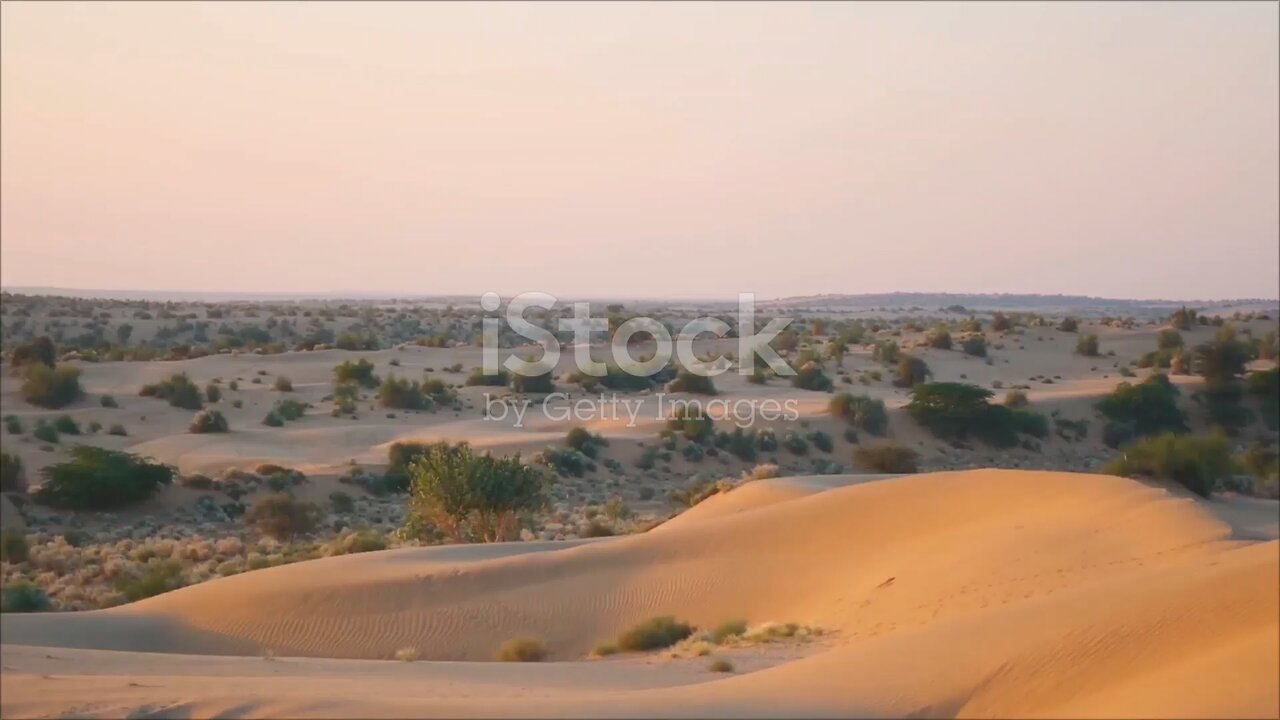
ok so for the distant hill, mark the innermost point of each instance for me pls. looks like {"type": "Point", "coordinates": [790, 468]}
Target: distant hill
{"type": "Point", "coordinates": [1008, 301]}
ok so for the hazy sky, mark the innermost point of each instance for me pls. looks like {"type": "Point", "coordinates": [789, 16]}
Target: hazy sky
{"type": "Point", "coordinates": [643, 149]}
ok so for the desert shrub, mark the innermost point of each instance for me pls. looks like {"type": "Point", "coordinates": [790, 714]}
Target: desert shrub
{"type": "Point", "coordinates": [158, 578]}
{"type": "Point", "coordinates": [13, 546]}
{"type": "Point", "coordinates": [359, 372]}
{"type": "Point", "coordinates": [720, 665]}
{"type": "Point", "coordinates": [861, 411]}
{"type": "Point", "coordinates": [654, 634]}
{"type": "Point", "coordinates": [729, 629]}
{"type": "Point", "coordinates": [1223, 359]}
{"type": "Point", "coordinates": [273, 419]}
{"type": "Point", "coordinates": [1264, 385]}
{"type": "Point", "coordinates": [885, 351]}
{"type": "Point", "coordinates": [1148, 408]}
{"type": "Point", "coordinates": [699, 489]}
{"type": "Point", "coordinates": [811, 377]}
{"type": "Point", "coordinates": [468, 495]}
{"type": "Point", "coordinates": [1168, 339]}
{"type": "Point", "coordinates": [647, 459]}
{"type": "Point", "coordinates": [1182, 318]}
{"type": "Point", "coordinates": [51, 387]}
{"type": "Point", "coordinates": [23, 597]}
{"type": "Point", "coordinates": [280, 516]}
{"type": "Point", "coordinates": [13, 424]}
{"type": "Point", "coordinates": [1087, 345]}
{"type": "Point", "coordinates": [341, 502]}
{"type": "Point", "coordinates": [691, 421]}
{"type": "Point", "coordinates": [1198, 463]}
{"type": "Point", "coordinates": [208, 421]}
{"type": "Point", "coordinates": [39, 351]}
{"type": "Point", "coordinates": [46, 432]}
{"type": "Point", "coordinates": [1001, 322]}
{"type": "Point", "coordinates": [694, 452]}
{"type": "Point", "coordinates": [94, 479]}
{"type": "Point", "coordinates": [939, 337]}
{"type": "Point", "coordinates": [542, 383]}
{"type": "Point", "coordinates": [66, 425]}
{"type": "Point", "coordinates": [290, 410]}
{"type": "Point", "coordinates": [521, 649]}
{"type": "Point", "coordinates": [108, 401]}
{"type": "Point", "coordinates": [196, 481]}
{"type": "Point", "coordinates": [344, 398]}
{"type": "Point", "coordinates": [402, 394]}
{"type": "Point", "coordinates": [887, 458]}
{"type": "Point", "coordinates": [584, 442]}
{"type": "Point", "coordinates": [737, 443]}
{"type": "Point", "coordinates": [954, 411]}
{"type": "Point", "coordinates": [1222, 401]}
{"type": "Point", "coordinates": [356, 541]}
{"type": "Point", "coordinates": [565, 462]}
{"type": "Point", "coordinates": [688, 382]}
{"type": "Point", "coordinates": [12, 476]}
{"type": "Point", "coordinates": [1069, 324]}
{"type": "Point", "coordinates": [283, 384]}
{"type": "Point", "coordinates": [178, 390]}
{"type": "Point", "coordinates": [355, 341]}
{"type": "Point", "coordinates": [478, 377]}
{"type": "Point", "coordinates": [1016, 399]}
{"type": "Point", "coordinates": [975, 345]}
{"type": "Point", "coordinates": [407, 654]}
{"type": "Point", "coordinates": [117, 429]}
{"type": "Point", "coordinates": [212, 393]}
{"type": "Point", "coordinates": [821, 441]}
{"type": "Point", "coordinates": [795, 443]}
{"type": "Point", "coordinates": [911, 372]}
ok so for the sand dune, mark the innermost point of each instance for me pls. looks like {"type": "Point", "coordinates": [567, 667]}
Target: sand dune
{"type": "Point", "coordinates": [948, 594]}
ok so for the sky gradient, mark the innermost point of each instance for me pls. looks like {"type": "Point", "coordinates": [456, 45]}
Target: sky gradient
{"type": "Point", "coordinates": [643, 150]}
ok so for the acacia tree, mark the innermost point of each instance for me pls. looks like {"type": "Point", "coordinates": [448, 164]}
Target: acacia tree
{"type": "Point", "coordinates": [470, 496]}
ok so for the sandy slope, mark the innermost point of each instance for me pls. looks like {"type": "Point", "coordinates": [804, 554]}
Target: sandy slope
{"type": "Point", "coordinates": [978, 593]}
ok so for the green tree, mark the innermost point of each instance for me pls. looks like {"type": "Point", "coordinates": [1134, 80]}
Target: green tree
{"type": "Point", "coordinates": [472, 496]}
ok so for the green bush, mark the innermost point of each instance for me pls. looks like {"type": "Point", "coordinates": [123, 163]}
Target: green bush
{"type": "Point", "coordinates": [358, 541]}
{"type": "Point", "coordinates": [887, 458]}
{"type": "Point", "coordinates": [477, 377]}
{"type": "Point", "coordinates": [1198, 463]}
{"type": "Point", "coordinates": [66, 425]}
{"type": "Point", "coordinates": [13, 546]}
{"type": "Point", "coordinates": [654, 634]}
{"type": "Point", "coordinates": [955, 411]}
{"type": "Point", "coordinates": [283, 384]}
{"type": "Point", "coordinates": [12, 476]}
{"type": "Point", "coordinates": [1148, 408]}
{"type": "Point", "coordinates": [290, 410]}
{"type": "Point", "coordinates": [1223, 359]}
{"type": "Point", "coordinates": [359, 372]}
{"type": "Point", "coordinates": [46, 432]}
{"type": "Point", "coordinates": [402, 394]}
{"type": "Point", "coordinates": [1069, 324]}
{"type": "Point", "coordinates": [531, 383]}
{"type": "Point", "coordinates": [911, 372]}
{"type": "Point", "coordinates": [117, 429]}
{"type": "Point", "coordinates": [108, 401]}
{"type": "Point", "coordinates": [341, 502]}
{"type": "Point", "coordinates": [178, 390]}
{"type": "Point", "coordinates": [51, 387]}
{"type": "Point", "coordinates": [584, 442]}
{"type": "Point", "coordinates": [1087, 345]}
{"type": "Point", "coordinates": [885, 351]}
{"type": "Point", "coordinates": [975, 345]}
{"type": "Point", "coordinates": [939, 337]}
{"type": "Point", "coordinates": [862, 412]}
{"type": "Point", "coordinates": [95, 479]}
{"type": "Point", "coordinates": [1168, 339]}
{"type": "Point", "coordinates": [811, 377]}
{"type": "Point", "coordinates": [212, 393]}
{"type": "Point", "coordinates": [688, 382]}
{"type": "Point", "coordinates": [23, 597]}
{"type": "Point", "coordinates": [729, 629]}
{"type": "Point", "coordinates": [737, 443]}
{"type": "Point", "coordinates": [691, 421]}
{"type": "Point", "coordinates": [208, 421]}
{"type": "Point", "coordinates": [1265, 386]}
{"type": "Point", "coordinates": [282, 517]}
{"type": "Point", "coordinates": [821, 441]}
{"type": "Point", "coordinates": [468, 495]}
{"type": "Point", "coordinates": [13, 424]}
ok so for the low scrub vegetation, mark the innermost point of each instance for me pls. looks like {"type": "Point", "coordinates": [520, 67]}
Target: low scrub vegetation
{"type": "Point", "coordinates": [887, 458]}
{"type": "Point", "coordinates": [957, 411]}
{"type": "Point", "coordinates": [654, 634]}
{"type": "Point", "coordinates": [51, 387]}
{"type": "Point", "coordinates": [862, 412]}
{"type": "Point", "coordinates": [521, 649]}
{"type": "Point", "coordinates": [1198, 463]}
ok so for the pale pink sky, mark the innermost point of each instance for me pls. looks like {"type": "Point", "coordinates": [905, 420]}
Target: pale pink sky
{"type": "Point", "coordinates": [643, 149]}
